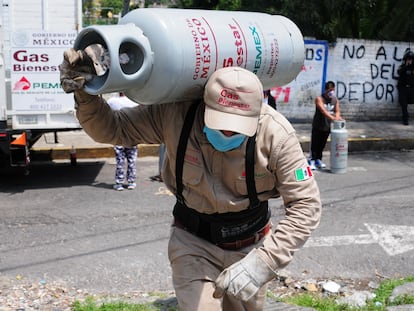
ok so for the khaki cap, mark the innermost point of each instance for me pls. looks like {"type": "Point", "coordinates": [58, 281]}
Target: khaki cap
{"type": "Point", "coordinates": [233, 98]}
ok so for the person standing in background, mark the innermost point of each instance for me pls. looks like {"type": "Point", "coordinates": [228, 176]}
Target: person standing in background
{"type": "Point", "coordinates": [326, 111]}
{"type": "Point", "coordinates": [405, 84]}
{"type": "Point", "coordinates": [123, 153]}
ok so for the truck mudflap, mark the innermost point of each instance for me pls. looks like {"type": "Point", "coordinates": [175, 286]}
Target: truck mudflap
{"type": "Point", "coordinates": [14, 148]}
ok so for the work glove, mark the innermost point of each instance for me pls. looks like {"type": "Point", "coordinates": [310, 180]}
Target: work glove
{"type": "Point", "coordinates": [76, 69]}
{"type": "Point", "coordinates": [244, 278]}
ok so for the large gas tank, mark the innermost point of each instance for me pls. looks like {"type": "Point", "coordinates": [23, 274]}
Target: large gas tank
{"type": "Point", "coordinates": [166, 55]}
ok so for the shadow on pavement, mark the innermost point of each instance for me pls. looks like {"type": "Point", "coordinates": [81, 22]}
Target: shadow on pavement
{"type": "Point", "coordinates": [51, 175]}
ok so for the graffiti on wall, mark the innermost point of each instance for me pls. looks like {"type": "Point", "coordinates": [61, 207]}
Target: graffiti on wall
{"type": "Point", "coordinates": [366, 71]}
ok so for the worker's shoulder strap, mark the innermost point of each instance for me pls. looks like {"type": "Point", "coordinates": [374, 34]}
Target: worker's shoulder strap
{"type": "Point", "coordinates": [250, 183]}
{"type": "Point", "coordinates": [182, 146]}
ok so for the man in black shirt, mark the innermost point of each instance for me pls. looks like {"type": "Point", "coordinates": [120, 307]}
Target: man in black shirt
{"type": "Point", "coordinates": [326, 111]}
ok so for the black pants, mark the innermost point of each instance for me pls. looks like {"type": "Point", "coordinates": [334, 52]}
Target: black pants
{"type": "Point", "coordinates": [405, 97]}
{"type": "Point", "coordinates": [318, 143]}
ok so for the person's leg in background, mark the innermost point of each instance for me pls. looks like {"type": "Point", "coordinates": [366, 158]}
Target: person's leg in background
{"type": "Point", "coordinates": [318, 143]}
{"type": "Point", "coordinates": [161, 158]}
{"type": "Point", "coordinates": [410, 101]}
{"type": "Point", "coordinates": [403, 100]}
{"type": "Point", "coordinates": [131, 156]}
{"type": "Point", "coordinates": [119, 169]}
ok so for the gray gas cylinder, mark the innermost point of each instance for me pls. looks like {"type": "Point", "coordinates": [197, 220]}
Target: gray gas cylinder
{"type": "Point", "coordinates": [164, 55]}
{"type": "Point", "coordinates": [339, 147]}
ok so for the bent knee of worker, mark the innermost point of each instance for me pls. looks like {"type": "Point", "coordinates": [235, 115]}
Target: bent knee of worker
{"type": "Point", "coordinates": [256, 303]}
{"type": "Point", "coordinates": [193, 279]}
{"type": "Point", "coordinates": [197, 296]}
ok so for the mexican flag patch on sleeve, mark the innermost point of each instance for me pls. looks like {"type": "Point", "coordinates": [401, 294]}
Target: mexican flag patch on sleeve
{"type": "Point", "coordinates": [303, 173]}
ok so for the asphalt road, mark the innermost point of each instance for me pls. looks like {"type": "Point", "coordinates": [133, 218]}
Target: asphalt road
{"type": "Point", "coordinates": [65, 223]}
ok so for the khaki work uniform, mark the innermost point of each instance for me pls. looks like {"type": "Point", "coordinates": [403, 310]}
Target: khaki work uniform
{"type": "Point", "coordinates": [214, 182]}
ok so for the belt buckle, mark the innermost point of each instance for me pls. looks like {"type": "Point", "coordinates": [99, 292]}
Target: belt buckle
{"type": "Point", "coordinates": [241, 243]}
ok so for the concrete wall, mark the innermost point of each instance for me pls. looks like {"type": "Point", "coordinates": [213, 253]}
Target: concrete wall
{"type": "Point", "coordinates": [365, 74]}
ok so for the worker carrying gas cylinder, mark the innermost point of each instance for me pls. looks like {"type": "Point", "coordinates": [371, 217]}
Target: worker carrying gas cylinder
{"type": "Point", "coordinates": [227, 155]}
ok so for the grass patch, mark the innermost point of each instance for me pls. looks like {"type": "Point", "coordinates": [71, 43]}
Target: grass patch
{"type": "Point", "coordinates": [91, 305]}
{"type": "Point", "coordinates": [379, 303]}
{"type": "Point", "coordinates": [385, 289]}
{"type": "Point", "coordinates": [317, 301]}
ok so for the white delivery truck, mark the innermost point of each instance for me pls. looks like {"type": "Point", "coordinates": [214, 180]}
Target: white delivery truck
{"type": "Point", "coordinates": [33, 36]}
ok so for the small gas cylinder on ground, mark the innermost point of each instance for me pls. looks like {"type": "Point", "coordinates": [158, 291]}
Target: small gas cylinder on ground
{"type": "Point", "coordinates": [339, 147]}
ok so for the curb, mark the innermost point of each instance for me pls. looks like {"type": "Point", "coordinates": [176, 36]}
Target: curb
{"type": "Point", "coordinates": [380, 144]}
{"type": "Point", "coordinates": [145, 150]}
{"type": "Point", "coordinates": [63, 153]}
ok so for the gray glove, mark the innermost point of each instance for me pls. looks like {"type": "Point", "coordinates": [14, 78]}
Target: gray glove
{"type": "Point", "coordinates": [244, 278]}
{"type": "Point", "coordinates": [76, 69]}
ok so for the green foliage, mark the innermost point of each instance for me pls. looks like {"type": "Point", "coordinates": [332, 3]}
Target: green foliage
{"type": "Point", "coordinates": [322, 19]}
{"type": "Point", "coordinates": [403, 300]}
{"type": "Point", "coordinates": [381, 301]}
{"type": "Point", "coordinates": [116, 5]}
{"type": "Point", "coordinates": [398, 22]}
{"type": "Point", "coordinates": [385, 289]}
{"type": "Point", "coordinates": [230, 5]}
{"type": "Point", "coordinates": [328, 20]}
{"type": "Point", "coordinates": [87, 5]}
{"type": "Point", "coordinates": [198, 4]}
{"type": "Point", "coordinates": [317, 302]}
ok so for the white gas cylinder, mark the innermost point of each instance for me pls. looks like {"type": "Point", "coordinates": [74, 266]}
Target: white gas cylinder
{"type": "Point", "coordinates": [339, 147]}
{"type": "Point", "coordinates": [164, 55]}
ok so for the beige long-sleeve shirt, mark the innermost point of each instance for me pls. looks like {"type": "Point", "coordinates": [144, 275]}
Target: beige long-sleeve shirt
{"type": "Point", "coordinates": [214, 182]}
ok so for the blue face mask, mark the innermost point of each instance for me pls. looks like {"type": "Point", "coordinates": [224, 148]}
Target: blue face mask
{"type": "Point", "coordinates": [222, 142]}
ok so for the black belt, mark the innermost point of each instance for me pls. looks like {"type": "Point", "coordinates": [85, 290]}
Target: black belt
{"type": "Point", "coordinates": [238, 244]}
{"type": "Point", "coordinates": [222, 228]}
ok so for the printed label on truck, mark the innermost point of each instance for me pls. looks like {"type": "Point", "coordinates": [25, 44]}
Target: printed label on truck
{"type": "Point", "coordinates": [35, 59]}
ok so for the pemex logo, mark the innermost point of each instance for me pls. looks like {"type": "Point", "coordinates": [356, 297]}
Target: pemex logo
{"type": "Point", "coordinates": [22, 85]}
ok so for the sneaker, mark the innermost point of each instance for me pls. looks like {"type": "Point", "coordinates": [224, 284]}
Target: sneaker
{"type": "Point", "coordinates": [312, 165]}
{"type": "Point", "coordinates": [131, 185]}
{"type": "Point", "coordinates": [118, 187]}
{"type": "Point", "coordinates": [320, 164]}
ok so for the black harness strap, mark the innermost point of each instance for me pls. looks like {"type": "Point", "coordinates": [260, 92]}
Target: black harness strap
{"type": "Point", "coordinates": [182, 146]}
{"type": "Point", "coordinates": [250, 183]}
